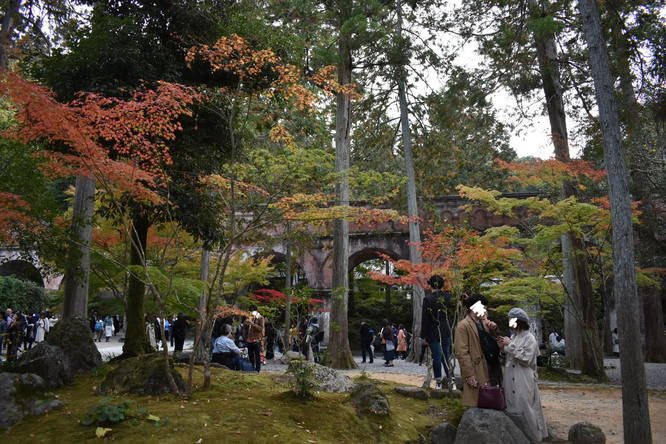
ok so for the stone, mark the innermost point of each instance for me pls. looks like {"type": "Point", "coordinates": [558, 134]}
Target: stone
{"type": "Point", "coordinates": [74, 338]}
{"type": "Point", "coordinates": [586, 433]}
{"type": "Point", "coordinates": [327, 379]}
{"type": "Point", "coordinates": [289, 356]}
{"type": "Point", "coordinates": [443, 433]}
{"type": "Point", "coordinates": [23, 395]}
{"type": "Point", "coordinates": [413, 392]}
{"type": "Point", "coordinates": [47, 361]}
{"type": "Point", "coordinates": [142, 375]}
{"type": "Point", "coordinates": [368, 399]}
{"type": "Point", "coordinates": [441, 394]}
{"type": "Point", "coordinates": [489, 427]}
{"type": "Point", "coordinates": [519, 421]}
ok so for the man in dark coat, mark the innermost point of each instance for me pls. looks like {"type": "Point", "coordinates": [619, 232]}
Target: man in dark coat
{"type": "Point", "coordinates": [179, 330]}
{"type": "Point", "coordinates": [366, 341]}
{"type": "Point", "coordinates": [436, 328]}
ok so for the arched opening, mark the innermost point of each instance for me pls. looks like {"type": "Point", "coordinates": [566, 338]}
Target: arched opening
{"type": "Point", "coordinates": [21, 269]}
{"type": "Point", "coordinates": [371, 300]}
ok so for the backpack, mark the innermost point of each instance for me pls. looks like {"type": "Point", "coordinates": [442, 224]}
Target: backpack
{"type": "Point", "coordinates": [99, 325]}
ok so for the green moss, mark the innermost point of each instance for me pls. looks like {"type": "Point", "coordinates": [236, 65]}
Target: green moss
{"type": "Point", "coordinates": [241, 407]}
{"type": "Point", "coordinates": [561, 375]}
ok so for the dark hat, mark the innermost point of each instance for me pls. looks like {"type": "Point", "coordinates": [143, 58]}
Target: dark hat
{"type": "Point", "coordinates": [436, 282]}
{"type": "Point", "coordinates": [473, 299]}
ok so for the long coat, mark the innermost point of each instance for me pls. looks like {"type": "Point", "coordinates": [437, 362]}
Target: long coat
{"type": "Point", "coordinates": [467, 349]}
{"type": "Point", "coordinates": [520, 383]}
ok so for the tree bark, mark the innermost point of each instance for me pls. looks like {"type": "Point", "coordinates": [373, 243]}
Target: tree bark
{"type": "Point", "coordinates": [655, 341]}
{"type": "Point", "coordinates": [203, 329]}
{"type": "Point", "coordinates": [136, 342]}
{"type": "Point", "coordinates": [287, 291]}
{"type": "Point", "coordinates": [8, 24]}
{"type": "Point", "coordinates": [412, 205]}
{"type": "Point", "coordinates": [635, 407]}
{"type": "Point", "coordinates": [78, 256]}
{"type": "Point", "coordinates": [581, 328]}
{"type": "Point", "coordinates": [339, 349]}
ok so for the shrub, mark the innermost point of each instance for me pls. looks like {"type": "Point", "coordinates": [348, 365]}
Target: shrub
{"type": "Point", "coordinates": [25, 296]}
{"type": "Point", "coordinates": [107, 414]}
{"type": "Point", "coordinates": [303, 381]}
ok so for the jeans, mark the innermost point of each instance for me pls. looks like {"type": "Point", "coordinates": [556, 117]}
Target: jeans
{"type": "Point", "coordinates": [254, 353]}
{"type": "Point", "coordinates": [438, 349]}
{"type": "Point", "coordinates": [366, 350]}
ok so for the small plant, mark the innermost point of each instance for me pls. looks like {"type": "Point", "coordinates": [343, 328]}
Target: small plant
{"type": "Point", "coordinates": [107, 414]}
{"type": "Point", "coordinates": [303, 381]}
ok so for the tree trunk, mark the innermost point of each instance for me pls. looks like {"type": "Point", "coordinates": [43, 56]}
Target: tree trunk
{"type": "Point", "coordinates": [78, 255]}
{"type": "Point", "coordinates": [136, 342]}
{"type": "Point", "coordinates": [635, 407]}
{"type": "Point", "coordinates": [655, 341]}
{"type": "Point", "coordinates": [287, 291]}
{"type": "Point", "coordinates": [203, 330]}
{"type": "Point", "coordinates": [339, 350]}
{"type": "Point", "coordinates": [8, 23]}
{"type": "Point", "coordinates": [412, 206]}
{"type": "Point", "coordinates": [581, 329]}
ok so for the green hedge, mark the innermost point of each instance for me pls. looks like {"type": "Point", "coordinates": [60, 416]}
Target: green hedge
{"type": "Point", "coordinates": [21, 295]}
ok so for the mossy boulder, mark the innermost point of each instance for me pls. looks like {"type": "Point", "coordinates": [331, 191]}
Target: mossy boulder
{"type": "Point", "coordinates": [586, 433]}
{"type": "Point", "coordinates": [143, 375]}
{"type": "Point", "coordinates": [326, 379]}
{"type": "Point", "coordinates": [47, 361]}
{"type": "Point", "coordinates": [367, 398]}
{"type": "Point", "coordinates": [23, 395]}
{"type": "Point", "coordinates": [75, 339]}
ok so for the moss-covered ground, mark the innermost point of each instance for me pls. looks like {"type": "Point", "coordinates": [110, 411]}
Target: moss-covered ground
{"type": "Point", "coordinates": [239, 408]}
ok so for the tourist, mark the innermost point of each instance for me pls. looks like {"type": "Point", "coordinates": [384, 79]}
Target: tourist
{"type": "Point", "coordinates": [14, 335]}
{"type": "Point", "coordinates": [402, 343]}
{"type": "Point", "coordinates": [41, 328]}
{"type": "Point", "coordinates": [167, 329]}
{"type": "Point", "coordinates": [366, 342]}
{"type": "Point", "coordinates": [312, 339]}
{"type": "Point", "coordinates": [108, 328]}
{"type": "Point", "coordinates": [253, 332]}
{"type": "Point", "coordinates": [225, 350]}
{"type": "Point", "coordinates": [28, 332]}
{"type": "Point", "coordinates": [474, 349]}
{"type": "Point", "coordinates": [436, 329]}
{"type": "Point", "coordinates": [3, 330]}
{"type": "Point", "coordinates": [99, 330]}
{"type": "Point", "coordinates": [116, 324]}
{"type": "Point", "coordinates": [179, 331]}
{"type": "Point", "coordinates": [389, 344]}
{"type": "Point", "coordinates": [520, 376]}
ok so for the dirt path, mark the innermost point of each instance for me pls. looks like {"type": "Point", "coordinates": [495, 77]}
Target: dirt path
{"type": "Point", "coordinates": [565, 406]}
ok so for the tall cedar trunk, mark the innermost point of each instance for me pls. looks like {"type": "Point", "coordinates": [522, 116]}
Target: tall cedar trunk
{"type": "Point", "coordinates": [340, 352]}
{"type": "Point", "coordinates": [581, 331]}
{"type": "Point", "coordinates": [655, 344]}
{"type": "Point", "coordinates": [8, 24]}
{"type": "Point", "coordinates": [204, 330]}
{"type": "Point", "coordinates": [78, 255]}
{"type": "Point", "coordinates": [136, 342]}
{"type": "Point", "coordinates": [287, 290]}
{"type": "Point", "coordinates": [412, 206]}
{"type": "Point", "coordinates": [635, 408]}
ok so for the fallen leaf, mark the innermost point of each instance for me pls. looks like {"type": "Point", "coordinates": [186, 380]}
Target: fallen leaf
{"type": "Point", "coordinates": [275, 436]}
{"type": "Point", "coordinates": [153, 418]}
{"type": "Point", "coordinates": [266, 413]}
{"type": "Point", "coordinates": [101, 432]}
{"type": "Point", "coordinates": [198, 441]}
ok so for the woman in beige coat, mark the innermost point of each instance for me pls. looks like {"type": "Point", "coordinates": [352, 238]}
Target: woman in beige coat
{"type": "Point", "coordinates": [520, 375]}
{"type": "Point", "coordinates": [467, 348]}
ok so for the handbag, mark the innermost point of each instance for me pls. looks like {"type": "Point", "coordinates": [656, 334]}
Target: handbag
{"type": "Point", "coordinates": [390, 346]}
{"type": "Point", "coordinates": [491, 397]}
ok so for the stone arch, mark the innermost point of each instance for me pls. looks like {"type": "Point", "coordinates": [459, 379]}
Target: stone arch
{"type": "Point", "coordinates": [23, 270]}
{"type": "Point", "coordinates": [369, 253]}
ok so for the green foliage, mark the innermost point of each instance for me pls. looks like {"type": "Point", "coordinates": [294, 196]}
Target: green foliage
{"type": "Point", "coordinates": [107, 414]}
{"type": "Point", "coordinates": [303, 380]}
{"type": "Point", "coordinates": [530, 290]}
{"type": "Point", "coordinates": [25, 296]}
{"type": "Point", "coordinates": [543, 27]}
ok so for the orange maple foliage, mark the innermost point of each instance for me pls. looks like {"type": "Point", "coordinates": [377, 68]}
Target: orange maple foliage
{"type": "Point", "coordinates": [13, 215]}
{"type": "Point", "coordinates": [120, 142]}
{"type": "Point", "coordinates": [551, 171]}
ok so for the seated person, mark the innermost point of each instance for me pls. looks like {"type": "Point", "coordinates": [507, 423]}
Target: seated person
{"type": "Point", "coordinates": [225, 351]}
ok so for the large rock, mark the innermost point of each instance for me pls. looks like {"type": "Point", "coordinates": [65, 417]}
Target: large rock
{"type": "Point", "coordinates": [23, 395]}
{"type": "Point", "coordinates": [520, 422]}
{"type": "Point", "coordinates": [489, 427]}
{"type": "Point", "coordinates": [368, 399]}
{"type": "Point", "coordinates": [327, 379]}
{"type": "Point", "coordinates": [586, 433]}
{"type": "Point", "coordinates": [413, 392]}
{"type": "Point", "coordinates": [143, 375]}
{"type": "Point", "coordinates": [47, 361]}
{"type": "Point", "coordinates": [291, 355]}
{"type": "Point", "coordinates": [74, 338]}
{"type": "Point", "coordinates": [443, 433]}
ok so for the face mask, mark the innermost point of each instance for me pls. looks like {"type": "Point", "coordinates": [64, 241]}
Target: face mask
{"type": "Point", "coordinates": [479, 309]}
{"type": "Point", "coordinates": [513, 323]}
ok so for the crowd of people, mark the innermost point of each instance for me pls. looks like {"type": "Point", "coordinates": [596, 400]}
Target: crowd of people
{"type": "Point", "coordinates": [20, 331]}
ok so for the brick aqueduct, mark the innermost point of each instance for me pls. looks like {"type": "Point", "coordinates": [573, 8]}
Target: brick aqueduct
{"type": "Point", "coordinates": [315, 264]}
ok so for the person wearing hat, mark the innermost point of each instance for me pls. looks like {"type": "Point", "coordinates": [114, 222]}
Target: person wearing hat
{"type": "Point", "coordinates": [520, 375]}
{"type": "Point", "coordinates": [476, 349]}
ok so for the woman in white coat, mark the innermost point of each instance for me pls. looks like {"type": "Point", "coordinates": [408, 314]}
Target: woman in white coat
{"type": "Point", "coordinates": [41, 328]}
{"type": "Point", "coordinates": [520, 375]}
